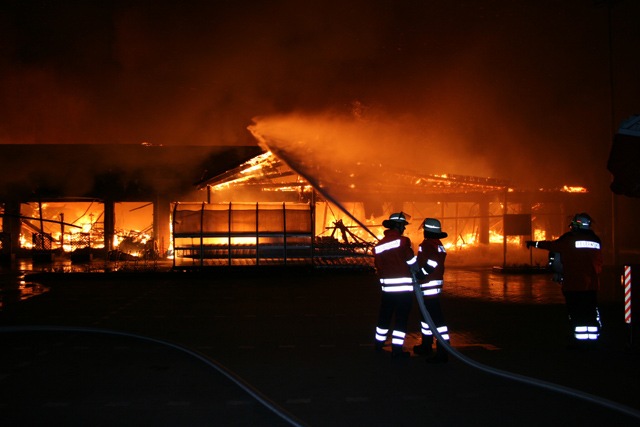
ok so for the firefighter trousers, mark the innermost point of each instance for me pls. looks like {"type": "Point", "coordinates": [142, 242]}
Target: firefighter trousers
{"type": "Point", "coordinates": [394, 309]}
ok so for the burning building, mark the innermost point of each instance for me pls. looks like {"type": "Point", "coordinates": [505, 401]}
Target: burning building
{"type": "Point", "coordinates": [249, 205]}
{"type": "Point", "coordinates": [288, 205]}
{"type": "Point", "coordinates": [110, 200]}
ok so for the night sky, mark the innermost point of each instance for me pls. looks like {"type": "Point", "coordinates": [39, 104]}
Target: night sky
{"type": "Point", "coordinates": [517, 90]}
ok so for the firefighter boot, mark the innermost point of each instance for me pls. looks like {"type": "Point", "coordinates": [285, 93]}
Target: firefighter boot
{"type": "Point", "coordinates": [397, 352]}
{"type": "Point", "coordinates": [425, 348]}
{"type": "Point", "coordinates": [441, 356]}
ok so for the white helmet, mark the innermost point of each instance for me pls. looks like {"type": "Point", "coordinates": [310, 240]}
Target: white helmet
{"type": "Point", "coordinates": [398, 218]}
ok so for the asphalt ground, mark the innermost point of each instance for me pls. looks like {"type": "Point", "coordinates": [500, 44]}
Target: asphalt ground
{"type": "Point", "coordinates": [272, 347]}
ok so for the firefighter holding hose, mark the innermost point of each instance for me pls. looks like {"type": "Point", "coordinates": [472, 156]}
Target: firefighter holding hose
{"type": "Point", "coordinates": [581, 256]}
{"type": "Point", "coordinates": [429, 275]}
{"type": "Point", "coordinates": [394, 258]}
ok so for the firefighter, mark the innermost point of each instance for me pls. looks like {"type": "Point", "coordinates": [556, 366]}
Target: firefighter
{"type": "Point", "coordinates": [430, 275]}
{"type": "Point", "coordinates": [581, 256]}
{"type": "Point", "coordinates": [394, 257]}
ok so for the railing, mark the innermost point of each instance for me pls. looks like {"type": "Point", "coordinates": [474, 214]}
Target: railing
{"type": "Point", "coordinates": [242, 234]}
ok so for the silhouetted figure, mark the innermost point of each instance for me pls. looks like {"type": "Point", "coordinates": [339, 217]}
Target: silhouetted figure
{"type": "Point", "coordinates": [430, 276]}
{"type": "Point", "coordinates": [581, 257]}
{"type": "Point", "coordinates": [393, 258]}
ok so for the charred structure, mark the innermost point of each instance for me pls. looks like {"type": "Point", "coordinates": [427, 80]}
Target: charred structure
{"type": "Point", "coordinates": [251, 205]}
{"type": "Point", "coordinates": [347, 203]}
{"type": "Point", "coordinates": [97, 179]}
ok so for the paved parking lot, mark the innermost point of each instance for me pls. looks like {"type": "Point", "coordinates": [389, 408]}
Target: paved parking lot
{"type": "Point", "coordinates": [294, 347]}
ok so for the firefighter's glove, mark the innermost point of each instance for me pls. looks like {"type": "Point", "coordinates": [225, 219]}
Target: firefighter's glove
{"type": "Point", "coordinates": [416, 271]}
{"type": "Point", "coordinates": [531, 243]}
{"type": "Point", "coordinates": [422, 272]}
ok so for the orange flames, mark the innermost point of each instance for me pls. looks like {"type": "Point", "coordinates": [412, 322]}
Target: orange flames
{"type": "Point", "coordinates": [74, 225]}
{"type": "Point", "coordinates": [570, 189]}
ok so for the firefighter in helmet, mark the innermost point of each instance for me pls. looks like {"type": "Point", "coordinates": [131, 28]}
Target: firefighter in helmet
{"type": "Point", "coordinates": [430, 275]}
{"type": "Point", "coordinates": [581, 256]}
{"type": "Point", "coordinates": [394, 257]}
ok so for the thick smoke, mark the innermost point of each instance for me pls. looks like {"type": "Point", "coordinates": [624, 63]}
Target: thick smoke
{"type": "Point", "coordinates": [514, 90]}
{"type": "Point", "coordinates": [332, 141]}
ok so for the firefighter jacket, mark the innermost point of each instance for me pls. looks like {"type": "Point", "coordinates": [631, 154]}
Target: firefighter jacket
{"type": "Point", "coordinates": [581, 255]}
{"type": "Point", "coordinates": [393, 258]}
{"type": "Point", "coordinates": [431, 257]}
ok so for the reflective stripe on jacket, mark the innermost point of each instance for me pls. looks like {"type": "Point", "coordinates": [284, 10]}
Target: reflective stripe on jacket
{"type": "Point", "coordinates": [393, 258]}
{"type": "Point", "coordinates": [581, 257]}
{"type": "Point", "coordinates": [431, 257]}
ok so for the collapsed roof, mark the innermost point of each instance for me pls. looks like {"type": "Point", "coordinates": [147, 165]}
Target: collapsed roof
{"type": "Point", "coordinates": [284, 170]}
{"type": "Point", "coordinates": [338, 181]}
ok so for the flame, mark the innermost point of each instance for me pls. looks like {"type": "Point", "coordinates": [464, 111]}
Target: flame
{"type": "Point", "coordinates": [570, 189]}
{"type": "Point", "coordinates": [247, 170]}
{"type": "Point", "coordinates": [24, 243]}
{"type": "Point", "coordinates": [170, 254]}
{"type": "Point", "coordinates": [73, 225]}
{"type": "Point", "coordinates": [539, 235]}
{"type": "Point", "coordinates": [470, 239]}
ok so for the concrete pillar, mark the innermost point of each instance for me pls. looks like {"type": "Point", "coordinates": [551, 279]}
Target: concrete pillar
{"type": "Point", "coordinates": [483, 228]}
{"type": "Point", "coordinates": [109, 225]}
{"type": "Point", "coordinates": [161, 228]}
{"type": "Point", "coordinates": [11, 228]}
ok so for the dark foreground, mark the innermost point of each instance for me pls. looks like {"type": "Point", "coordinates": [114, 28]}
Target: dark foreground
{"type": "Point", "coordinates": [278, 347]}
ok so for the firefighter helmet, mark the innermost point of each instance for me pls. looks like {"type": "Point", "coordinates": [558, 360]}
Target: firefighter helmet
{"type": "Point", "coordinates": [432, 228]}
{"type": "Point", "coordinates": [581, 221]}
{"type": "Point", "coordinates": [395, 219]}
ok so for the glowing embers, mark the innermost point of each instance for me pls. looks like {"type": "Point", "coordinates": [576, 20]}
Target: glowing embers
{"type": "Point", "coordinates": [133, 231]}
{"type": "Point", "coordinates": [258, 162]}
{"type": "Point", "coordinates": [566, 189]}
{"type": "Point", "coordinates": [570, 189]}
{"type": "Point", "coordinates": [468, 239]}
{"type": "Point", "coordinates": [265, 170]}
{"type": "Point", "coordinates": [62, 226]}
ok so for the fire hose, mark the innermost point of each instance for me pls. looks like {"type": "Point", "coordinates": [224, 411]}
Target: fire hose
{"type": "Point", "coordinates": [513, 376]}
{"type": "Point", "coordinates": [265, 401]}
